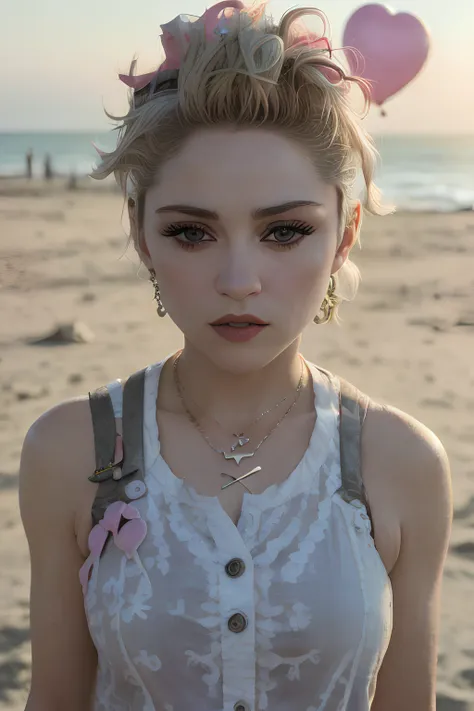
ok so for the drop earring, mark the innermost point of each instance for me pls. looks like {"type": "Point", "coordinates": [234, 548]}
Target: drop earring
{"type": "Point", "coordinates": [328, 305]}
{"type": "Point", "coordinates": [161, 311]}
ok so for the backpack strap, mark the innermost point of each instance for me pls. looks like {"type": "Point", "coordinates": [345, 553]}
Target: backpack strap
{"type": "Point", "coordinates": [353, 406]}
{"type": "Point", "coordinates": [120, 469]}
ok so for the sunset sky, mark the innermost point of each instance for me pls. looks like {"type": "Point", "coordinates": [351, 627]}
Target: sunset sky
{"type": "Point", "coordinates": [60, 59]}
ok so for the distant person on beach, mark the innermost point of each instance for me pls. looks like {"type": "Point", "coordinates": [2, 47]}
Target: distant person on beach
{"type": "Point", "coordinates": [233, 526]}
{"type": "Point", "coordinates": [48, 170]}
{"type": "Point", "coordinates": [29, 164]}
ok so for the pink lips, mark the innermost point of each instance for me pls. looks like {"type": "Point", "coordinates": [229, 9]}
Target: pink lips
{"type": "Point", "coordinates": [238, 335]}
{"type": "Point", "coordinates": [243, 318]}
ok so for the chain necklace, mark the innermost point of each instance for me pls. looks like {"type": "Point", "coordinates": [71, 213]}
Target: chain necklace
{"type": "Point", "coordinates": [236, 457]}
{"type": "Point", "coordinates": [241, 440]}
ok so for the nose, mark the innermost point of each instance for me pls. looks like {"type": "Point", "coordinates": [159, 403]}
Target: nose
{"type": "Point", "coordinates": [238, 275]}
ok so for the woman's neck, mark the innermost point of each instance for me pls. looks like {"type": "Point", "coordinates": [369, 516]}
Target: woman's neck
{"type": "Point", "coordinates": [232, 396]}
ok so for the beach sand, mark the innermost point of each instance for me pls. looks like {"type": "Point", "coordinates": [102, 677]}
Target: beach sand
{"type": "Point", "coordinates": [407, 340]}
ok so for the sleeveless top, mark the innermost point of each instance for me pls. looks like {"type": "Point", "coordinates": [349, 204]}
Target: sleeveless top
{"type": "Point", "coordinates": [289, 609]}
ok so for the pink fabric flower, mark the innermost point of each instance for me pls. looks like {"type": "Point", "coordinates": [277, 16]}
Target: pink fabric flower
{"type": "Point", "coordinates": [127, 539]}
{"type": "Point", "coordinates": [175, 39]}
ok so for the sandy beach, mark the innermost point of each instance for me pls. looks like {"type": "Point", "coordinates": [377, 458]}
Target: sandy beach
{"type": "Point", "coordinates": [407, 340]}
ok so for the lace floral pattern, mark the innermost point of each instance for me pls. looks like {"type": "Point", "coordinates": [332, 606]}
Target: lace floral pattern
{"type": "Point", "coordinates": [314, 597]}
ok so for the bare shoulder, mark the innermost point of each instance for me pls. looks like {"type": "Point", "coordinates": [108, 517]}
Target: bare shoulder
{"type": "Point", "coordinates": [61, 420]}
{"type": "Point", "coordinates": [407, 476]}
{"type": "Point", "coordinates": [412, 455]}
{"type": "Point", "coordinates": [57, 456]}
{"type": "Point", "coordinates": [60, 433]}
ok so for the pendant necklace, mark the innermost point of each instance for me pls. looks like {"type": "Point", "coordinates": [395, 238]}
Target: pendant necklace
{"type": "Point", "coordinates": [241, 439]}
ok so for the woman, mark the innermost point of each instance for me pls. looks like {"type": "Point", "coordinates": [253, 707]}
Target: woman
{"type": "Point", "coordinates": [252, 546]}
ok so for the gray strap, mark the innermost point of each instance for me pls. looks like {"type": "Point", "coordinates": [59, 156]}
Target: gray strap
{"type": "Point", "coordinates": [132, 425]}
{"type": "Point", "coordinates": [353, 409]}
{"type": "Point", "coordinates": [103, 421]}
{"type": "Point", "coordinates": [109, 489]}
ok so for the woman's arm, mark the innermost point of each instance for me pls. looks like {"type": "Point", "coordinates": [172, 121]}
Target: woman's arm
{"type": "Point", "coordinates": [419, 465]}
{"type": "Point", "coordinates": [53, 460]}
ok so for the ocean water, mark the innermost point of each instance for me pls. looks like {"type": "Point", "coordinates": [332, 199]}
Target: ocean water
{"type": "Point", "coordinates": [433, 173]}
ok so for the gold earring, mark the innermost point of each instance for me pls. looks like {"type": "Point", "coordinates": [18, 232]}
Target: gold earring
{"type": "Point", "coordinates": [329, 304]}
{"type": "Point", "coordinates": [161, 311]}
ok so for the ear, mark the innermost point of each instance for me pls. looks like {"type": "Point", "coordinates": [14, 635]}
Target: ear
{"type": "Point", "coordinates": [137, 233]}
{"type": "Point", "coordinates": [351, 232]}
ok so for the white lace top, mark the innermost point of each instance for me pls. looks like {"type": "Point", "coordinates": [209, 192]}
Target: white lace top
{"type": "Point", "coordinates": [289, 610]}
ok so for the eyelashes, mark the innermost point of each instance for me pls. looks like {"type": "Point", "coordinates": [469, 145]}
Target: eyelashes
{"type": "Point", "coordinates": [295, 226]}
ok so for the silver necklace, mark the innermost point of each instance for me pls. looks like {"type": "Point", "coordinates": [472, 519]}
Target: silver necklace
{"type": "Point", "coordinates": [236, 457]}
{"type": "Point", "coordinates": [241, 439]}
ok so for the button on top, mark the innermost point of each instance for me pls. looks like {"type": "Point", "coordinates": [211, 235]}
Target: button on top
{"type": "Point", "coordinates": [237, 622]}
{"type": "Point", "coordinates": [235, 568]}
{"type": "Point", "coordinates": [241, 706]}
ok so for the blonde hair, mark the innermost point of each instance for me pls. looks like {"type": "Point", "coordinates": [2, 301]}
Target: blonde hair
{"type": "Point", "coordinates": [256, 75]}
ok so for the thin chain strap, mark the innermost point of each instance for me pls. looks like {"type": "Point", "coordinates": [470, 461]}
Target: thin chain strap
{"type": "Point", "coordinates": [198, 426]}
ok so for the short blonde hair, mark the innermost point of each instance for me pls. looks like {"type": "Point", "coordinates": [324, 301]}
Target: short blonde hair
{"type": "Point", "coordinates": [256, 75]}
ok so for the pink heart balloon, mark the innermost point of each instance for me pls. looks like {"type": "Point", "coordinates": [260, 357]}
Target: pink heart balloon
{"type": "Point", "coordinates": [394, 48]}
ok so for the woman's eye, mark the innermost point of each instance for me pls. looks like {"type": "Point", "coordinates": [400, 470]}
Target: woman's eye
{"type": "Point", "coordinates": [283, 234]}
{"type": "Point", "coordinates": [187, 236]}
{"type": "Point", "coordinates": [193, 234]}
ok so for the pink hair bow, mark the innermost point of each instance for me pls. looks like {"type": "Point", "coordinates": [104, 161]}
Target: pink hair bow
{"type": "Point", "coordinates": [127, 537]}
{"type": "Point", "coordinates": [175, 39]}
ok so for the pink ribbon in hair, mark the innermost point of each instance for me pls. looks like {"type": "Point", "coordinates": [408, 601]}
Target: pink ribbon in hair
{"type": "Point", "coordinates": [175, 39]}
{"type": "Point", "coordinates": [303, 37]}
{"type": "Point", "coordinates": [137, 82]}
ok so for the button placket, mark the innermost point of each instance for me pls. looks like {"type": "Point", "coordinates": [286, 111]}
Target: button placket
{"type": "Point", "coordinates": [237, 606]}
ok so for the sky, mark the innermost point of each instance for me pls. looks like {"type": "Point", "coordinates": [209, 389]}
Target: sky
{"type": "Point", "coordinates": [59, 61]}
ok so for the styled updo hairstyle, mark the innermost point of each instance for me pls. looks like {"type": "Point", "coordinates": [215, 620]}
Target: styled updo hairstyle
{"type": "Point", "coordinates": [238, 68]}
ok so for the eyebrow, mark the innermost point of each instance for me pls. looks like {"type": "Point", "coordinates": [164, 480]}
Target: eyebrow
{"type": "Point", "coordinates": [256, 214]}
